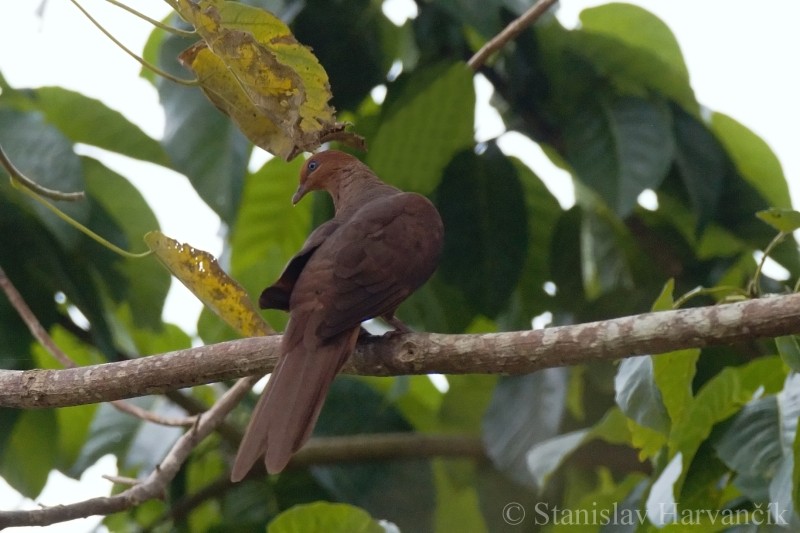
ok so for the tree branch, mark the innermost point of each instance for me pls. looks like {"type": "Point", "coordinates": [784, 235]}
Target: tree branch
{"type": "Point", "coordinates": [509, 32]}
{"type": "Point", "coordinates": [340, 450]}
{"type": "Point", "coordinates": [44, 338]}
{"type": "Point", "coordinates": [417, 353]}
{"type": "Point", "coordinates": [153, 486]}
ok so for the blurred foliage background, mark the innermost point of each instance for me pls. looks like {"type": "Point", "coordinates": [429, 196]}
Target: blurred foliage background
{"type": "Point", "coordinates": [610, 103]}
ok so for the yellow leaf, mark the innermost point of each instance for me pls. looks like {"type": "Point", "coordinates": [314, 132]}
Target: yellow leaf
{"type": "Point", "coordinates": [201, 273]}
{"type": "Point", "coordinates": [254, 70]}
{"type": "Point", "coordinates": [221, 87]}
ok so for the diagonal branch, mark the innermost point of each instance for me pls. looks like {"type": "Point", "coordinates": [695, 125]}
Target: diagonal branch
{"type": "Point", "coordinates": [44, 338]}
{"type": "Point", "coordinates": [417, 353]}
{"type": "Point", "coordinates": [509, 32]}
{"type": "Point", "coordinates": [154, 486]}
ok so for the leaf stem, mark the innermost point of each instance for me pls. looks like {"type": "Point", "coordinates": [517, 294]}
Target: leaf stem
{"type": "Point", "coordinates": [83, 229]}
{"type": "Point", "coordinates": [128, 51]}
{"type": "Point", "coordinates": [154, 22]}
{"type": "Point", "coordinates": [680, 302]}
{"type": "Point", "coordinates": [753, 287]}
{"type": "Point", "coordinates": [17, 177]}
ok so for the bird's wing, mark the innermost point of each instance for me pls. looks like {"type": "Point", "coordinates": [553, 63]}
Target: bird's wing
{"type": "Point", "coordinates": [277, 295]}
{"type": "Point", "coordinates": [374, 261]}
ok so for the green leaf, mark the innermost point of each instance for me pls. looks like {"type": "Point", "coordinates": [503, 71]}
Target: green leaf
{"type": "Point", "coordinates": [636, 49]}
{"type": "Point", "coordinates": [702, 164]}
{"type": "Point", "coordinates": [138, 445]}
{"type": "Point", "coordinates": [457, 505]}
{"type": "Point", "coordinates": [673, 374]}
{"type": "Point", "coordinates": [324, 516]}
{"type": "Point", "coordinates": [603, 505]}
{"type": "Point", "coordinates": [437, 306]}
{"type": "Point", "coordinates": [96, 124]}
{"type": "Point", "coordinates": [545, 457]}
{"type": "Point", "coordinates": [146, 282]}
{"type": "Point", "coordinates": [31, 452]}
{"type": "Point", "coordinates": [268, 229]}
{"type": "Point", "coordinates": [415, 397]}
{"type": "Point", "coordinates": [796, 472]}
{"type": "Point", "coordinates": [620, 147]}
{"type": "Point", "coordinates": [637, 394]}
{"type": "Point", "coordinates": [719, 398]}
{"type": "Point", "coordinates": [485, 245]}
{"type": "Point", "coordinates": [638, 28]}
{"type": "Point", "coordinates": [44, 155]}
{"type": "Point", "coordinates": [665, 300]}
{"type": "Point", "coordinates": [604, 247]}
{"type": "Point", "coordinates": [427, 118]}
{"type": "Point", "coordinates": [662, 498]}
{"type": "Point", "coordinates": [754, 159]}
{"type": "Point", "coordinates": [465, 402]}
{"type": "Point", "coordinates": [529, 298]}
{"type": "Point", "coordinates": [785, 220]}
{"type": "Point", "coordinates": [752, 443]}
{"type": "Point", "coordinates": [525, 410]}
{"type": "Point", "coordinates": [201, 142]}
{"type": "Point", "coordinates": [354, 33]}
{"type": "Point", "coordinates": [73, 422]}
{"type": "Point", "coordinates": [399, 491]}
{"type": "Point", "coordinates": [789, 351]}
{"type": "Point", "coordinates": [780, 494]}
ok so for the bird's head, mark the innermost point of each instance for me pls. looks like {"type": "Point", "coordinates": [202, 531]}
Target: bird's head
{"type": "Point", "coordinates": [323, 171]}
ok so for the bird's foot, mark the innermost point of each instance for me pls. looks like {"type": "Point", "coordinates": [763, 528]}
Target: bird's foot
{"type": "Point", "coordinates": [399, 326]}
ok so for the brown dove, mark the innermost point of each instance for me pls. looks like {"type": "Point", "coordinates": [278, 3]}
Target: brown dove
{"type": "Point", "coordinates": [380, 246]}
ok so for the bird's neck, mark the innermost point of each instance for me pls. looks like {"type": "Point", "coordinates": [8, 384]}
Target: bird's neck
{"type": "Point", "coordinates": [356, 189]}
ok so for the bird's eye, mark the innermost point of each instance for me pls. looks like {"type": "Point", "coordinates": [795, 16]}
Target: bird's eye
{"type": "Point", "coordinates": [312, 165]}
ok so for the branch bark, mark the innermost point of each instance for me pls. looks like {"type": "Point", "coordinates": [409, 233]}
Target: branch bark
{"type": "Point", "coordinates": [154, 486]}
{"type": "Point", "coordinates": [509, 32]}
{"type": "Point", "coordinates": [417, 353]}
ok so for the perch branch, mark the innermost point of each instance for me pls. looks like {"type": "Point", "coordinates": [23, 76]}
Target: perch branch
{"type": "Point", "coordinates": [509, 32]}
{"type": "Point", "coordinates": [416, 353]}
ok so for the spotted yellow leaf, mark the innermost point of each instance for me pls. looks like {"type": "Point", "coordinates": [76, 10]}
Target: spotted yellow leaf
{"type": "Point", "coordinates": [200, 272]}
{"type": "Point", "coordinates": [253, 69]}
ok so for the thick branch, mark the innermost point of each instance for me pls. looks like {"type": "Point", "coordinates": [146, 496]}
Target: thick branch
{"type": "Point", "coordinates": [418, 353]}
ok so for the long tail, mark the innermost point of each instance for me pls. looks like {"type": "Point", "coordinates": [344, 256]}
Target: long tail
{"type": "Point", "coordinates": [288, 410]}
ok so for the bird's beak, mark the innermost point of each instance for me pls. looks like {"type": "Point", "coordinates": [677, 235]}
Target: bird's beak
{"type": "Point", "coordinates": [299, 193]}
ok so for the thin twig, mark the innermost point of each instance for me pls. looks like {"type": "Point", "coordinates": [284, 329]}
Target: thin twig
{"type": "Point", "coordinates": [131, 53]}
{"type": "Point", "coordinates": [18, 177]}
{"type": "Point", "coordinates": [121, 480]}
{"type": "Point", "coordinates": [509, 32]}
{"type": "Point", "coordinates": [147, 416]}
{"type": "Point", "coordinates": [34, 326]}
{"type": "Point", "coordinates": [754, 287]}
{"type": "Point", "coordinates": [83, 229]}
{"type": "Point", "coordinates": [157, 23]}
{"type": "Point", "coordinates": [154, 486]}
{"type": "Point", "coordinates": [43, 337]}
{"type": "Point", "coordinates": [386, 446]}
{"type": "Point", "coordinates": [341, 450]}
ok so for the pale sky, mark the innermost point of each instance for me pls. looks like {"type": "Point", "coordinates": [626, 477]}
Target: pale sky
{"type": "Point", "coordinates": [742, 59]}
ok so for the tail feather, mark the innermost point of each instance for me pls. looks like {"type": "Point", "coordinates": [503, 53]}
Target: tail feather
{"type": "Point", "coordinates": [288, 410]}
